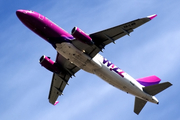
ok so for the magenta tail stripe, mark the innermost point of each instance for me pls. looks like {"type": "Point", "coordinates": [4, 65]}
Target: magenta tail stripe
{"type": "Point", "coordinates": [147, 81]}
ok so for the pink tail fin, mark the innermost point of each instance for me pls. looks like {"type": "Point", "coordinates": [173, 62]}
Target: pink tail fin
{"type": "Point", "coordinates": [147, 81]}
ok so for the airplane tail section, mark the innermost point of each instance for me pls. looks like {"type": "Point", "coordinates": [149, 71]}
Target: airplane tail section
{"type": "Point", "coordinates": [151, 90]}
{"type": "Point", "coordinates": [139, 104]}
{"type": "Point", "coordinates": [155, 89]}
{"type": "Point", "coordinates": [147, 81]}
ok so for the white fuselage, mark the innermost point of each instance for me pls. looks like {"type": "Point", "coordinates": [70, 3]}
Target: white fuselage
{"type": "Point", "coordinates": [105, 70]}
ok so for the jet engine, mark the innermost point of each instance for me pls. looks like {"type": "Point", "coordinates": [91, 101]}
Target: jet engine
{"type": "Point", "coordinates": [82, 36]}
{"type": "Point", "coordinates": [49, 64]}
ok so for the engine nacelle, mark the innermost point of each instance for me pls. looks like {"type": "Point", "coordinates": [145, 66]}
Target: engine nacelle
{"type": "Point", "coordinates": [82, 36]}
{"type": "Point", "coordinates": [49, 64]}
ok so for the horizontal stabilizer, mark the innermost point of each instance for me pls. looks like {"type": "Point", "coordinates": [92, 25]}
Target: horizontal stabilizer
{"type": "Point", "coordinates": [155, 89]}
{"type": "Point", "coordinates": [139, 104]}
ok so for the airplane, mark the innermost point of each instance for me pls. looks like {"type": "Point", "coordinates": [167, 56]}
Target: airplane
{"type": "Point", "coordinates": [80, 50]}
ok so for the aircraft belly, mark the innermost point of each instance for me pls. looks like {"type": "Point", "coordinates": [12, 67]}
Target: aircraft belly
{"type": "Point", "coordinates": [123, 82]}
{"type": "Point", "coordinates": [95, 66]}
{"type": "Point", "coordinates": [112, 78]}
{"type": "Point", "coordinates": [77, 57]}
{"type": "Point", "coordinates": [119, 82]}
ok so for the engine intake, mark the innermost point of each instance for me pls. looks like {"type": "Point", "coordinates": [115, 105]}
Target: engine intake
{"type": "Point", "coordinates": [82, 36]}
{"type": "Point", "coordinates": [49, 64]}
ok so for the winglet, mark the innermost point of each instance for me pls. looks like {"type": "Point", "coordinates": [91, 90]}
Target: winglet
{"type": "Point", "coordinates": [152, 16]}
{"type": "Point", "coordinates": [56, 103]}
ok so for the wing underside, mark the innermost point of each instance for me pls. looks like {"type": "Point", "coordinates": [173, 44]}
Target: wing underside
{"type": "Point", "coordinates": [60, 80]}
{"type": "Point", "coordinates": [103, 38]}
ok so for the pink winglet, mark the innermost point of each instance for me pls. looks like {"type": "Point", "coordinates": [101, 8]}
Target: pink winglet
{"type": "Point", "coordinates": [56, 103]}
{"type": "Point", "coordinates": [152, 16]}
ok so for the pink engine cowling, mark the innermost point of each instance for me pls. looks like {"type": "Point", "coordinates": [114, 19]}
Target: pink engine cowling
{"type": "Point", "coordinates": [48, 64]}
{"type": "Point", "coordinates": [82, 36]}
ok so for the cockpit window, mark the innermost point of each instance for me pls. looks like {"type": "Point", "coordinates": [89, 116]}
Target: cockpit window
{"type": "Point", "coordinates": [27, 11]}
{"type": "Point", "coordinates": [30, 11]}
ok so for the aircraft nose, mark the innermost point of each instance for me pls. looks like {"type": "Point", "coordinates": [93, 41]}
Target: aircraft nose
{"type": "Point", "coordinates": [19, 13]}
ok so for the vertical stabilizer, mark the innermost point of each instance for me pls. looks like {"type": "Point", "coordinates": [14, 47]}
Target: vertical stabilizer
{"type": "Point", "coordinates": [139, 104]}
{"type": "Point", "coordinates": [148, 81]}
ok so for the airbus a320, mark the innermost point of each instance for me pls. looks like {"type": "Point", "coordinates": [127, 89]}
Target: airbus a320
{"type": "Point", "coordinates": [79, 50]}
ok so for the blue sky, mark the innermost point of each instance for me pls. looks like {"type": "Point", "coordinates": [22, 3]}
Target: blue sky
{"type": "Point", "coordinates": [152, 49]}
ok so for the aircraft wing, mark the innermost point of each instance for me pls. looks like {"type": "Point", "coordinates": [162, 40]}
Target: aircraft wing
{"type": "Point", "coordinates": [59, 81]}
{"type": "Point", "coordinates": [103, 38]}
